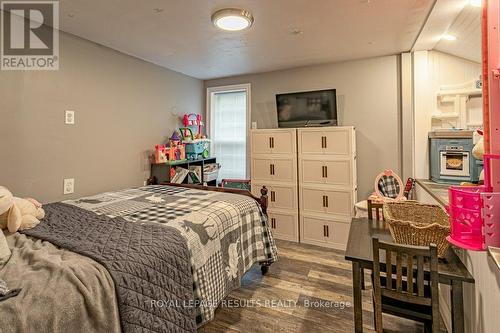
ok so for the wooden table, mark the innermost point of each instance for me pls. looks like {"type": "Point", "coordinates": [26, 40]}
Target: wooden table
{"type": "Point", "coordinates": [452, 271]}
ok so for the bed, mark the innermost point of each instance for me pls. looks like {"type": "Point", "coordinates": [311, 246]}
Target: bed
{"type": "Point", "coordinates": [159, 258]}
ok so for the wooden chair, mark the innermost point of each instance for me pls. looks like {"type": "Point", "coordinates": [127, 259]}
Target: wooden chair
{"type": "Point", "coordinates": [378, 214]}
{"type": "Point", "coordinates": [378, 210]}
{"type": "Point", "coordinates": [412, 294]}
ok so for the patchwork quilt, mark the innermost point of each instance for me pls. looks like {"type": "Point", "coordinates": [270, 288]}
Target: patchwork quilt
{"type": "Point", "coordinates": [225, 233]}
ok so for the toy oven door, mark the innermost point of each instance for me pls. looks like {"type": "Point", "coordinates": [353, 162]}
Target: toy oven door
{"type": "Point", "coordinates": [454, 163]}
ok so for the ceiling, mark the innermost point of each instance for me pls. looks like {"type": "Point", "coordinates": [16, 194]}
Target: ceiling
{"type": "Point", "coordinates": [467, 29]}
{"type": "Point", "coordinates": [178, 34]}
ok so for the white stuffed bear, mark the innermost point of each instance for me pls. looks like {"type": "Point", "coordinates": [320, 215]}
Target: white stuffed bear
{"type": "Point", "coordinates": [478, 151]}
{"type": "Point", "coordinates": [18, 214]}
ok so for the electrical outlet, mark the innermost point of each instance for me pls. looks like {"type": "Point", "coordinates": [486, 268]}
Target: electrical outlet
{"type": "Point", "coordinates": [69, 186]}
{"type": "Point", "coordinates": [69, 117]}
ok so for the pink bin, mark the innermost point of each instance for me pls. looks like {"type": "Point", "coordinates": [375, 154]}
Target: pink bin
{"type": "Point", "coordinates": [475, 213]}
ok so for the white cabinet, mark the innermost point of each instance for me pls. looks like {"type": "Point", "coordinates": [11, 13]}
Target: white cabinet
{"type": "Point", "coordinates": [275, 141]}
{"type": "Point", "coordinates": [274, 168]}
{"type": "Point", "coordinates": [327, 184]}
{"type": "Point", "coordinates": [333, 141]}
{"type": "Point", "coordinates": [324, 232]}
{"type": "Point", "coordinates": [280, 196]}
{"type": "Point", "coordinates": [337, 203]}
{"type": "Point", "coordinates": [284, 226]}
{"type": "Point", "coordinates": [314, 170]}
{"type": "Point", "coordinates": [310, 174]}
{"type": "Point", "coordinates": [274, 165]}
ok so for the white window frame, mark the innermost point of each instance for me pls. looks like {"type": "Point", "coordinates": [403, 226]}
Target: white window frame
{"type": "Point", "coordinates": [209, 103]}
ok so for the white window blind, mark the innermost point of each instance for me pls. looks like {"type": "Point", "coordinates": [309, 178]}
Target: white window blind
{"type": "Point", "coordinates": [228, 130]}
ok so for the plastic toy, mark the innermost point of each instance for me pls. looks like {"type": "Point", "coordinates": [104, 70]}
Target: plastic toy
{"type": "Point", "coordinates": [195, 148]}
{"type": "Point", "coordinates": [193, 119]}
{"type": "Point", "coordinates": [177, 150]}
{"type": "Point", "coordinates": [161, 154]}
{"type": "Point", "coordinates": [474, 213]}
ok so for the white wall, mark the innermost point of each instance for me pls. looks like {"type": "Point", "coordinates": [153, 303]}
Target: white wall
{"type": "Point", "coordinates": [367, 98]}
{"type": "Point", "coordinates": [431, 70]}
{"type": "Point", "coordinates": [123, 107]}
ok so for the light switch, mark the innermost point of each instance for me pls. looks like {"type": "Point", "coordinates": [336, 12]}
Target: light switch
{"type": "Point", "coordinates": [69, 186]}
{"type": "Point", "coordinates": [69, 117]}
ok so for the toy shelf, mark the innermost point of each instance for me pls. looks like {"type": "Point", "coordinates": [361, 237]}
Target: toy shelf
{"type": "Point", "coordinates": [161, 171]}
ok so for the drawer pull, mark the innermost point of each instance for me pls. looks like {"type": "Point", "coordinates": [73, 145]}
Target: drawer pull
{"type": "Point", "coordinates": [325, 147]}
{"type": "Point", "coordinates": [325, 201]}
{"type": "Point", "coordinates": [327, 231]}
{"type": "Point", "coordinates": [271, 169]}
{"type": "Point", "coordinates": [324, 170]}
{"type": "Point", "coordinates": [324, 230]}
{"type": "Point", "coordinates": [271, 142]}
{"type": "Point", "coordinates": [273, 196]}
{"type": "Point", "coordinates": [322, 142]}
{"type": "Point", "coordinates": [273, 223]}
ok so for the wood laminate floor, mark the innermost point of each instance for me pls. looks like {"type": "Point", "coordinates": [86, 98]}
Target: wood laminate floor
{"type": "Point", "coordinates": [309, 289]}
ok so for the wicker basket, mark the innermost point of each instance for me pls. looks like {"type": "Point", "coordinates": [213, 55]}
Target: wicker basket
{"type": "Point", "coordinates": [414, 223]}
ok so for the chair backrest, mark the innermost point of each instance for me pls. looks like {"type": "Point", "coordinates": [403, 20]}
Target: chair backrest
{"type": "Point", "coordinates": [377, 207]}
{"type": "Point", "coordinates": [411, 284]}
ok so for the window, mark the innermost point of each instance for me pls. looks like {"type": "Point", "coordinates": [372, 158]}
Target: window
{"type": "Point", "coordinates": [228, 125]}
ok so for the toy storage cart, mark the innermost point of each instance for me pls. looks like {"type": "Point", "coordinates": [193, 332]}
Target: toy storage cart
{"type": "Point", "coordinates": [475, 213]}
{"type": "Point", "coordinates": [195, 148]}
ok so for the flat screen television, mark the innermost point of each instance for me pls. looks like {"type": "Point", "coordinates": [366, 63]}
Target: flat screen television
{"type": "Point", "coordinates": [310, 108]}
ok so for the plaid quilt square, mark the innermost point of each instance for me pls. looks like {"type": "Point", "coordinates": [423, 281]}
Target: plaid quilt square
{"type": "Point", "coordinates": [162, 189]}
{"type": "Point", "coordinates": [121, 208]}
{"type": "Point", "coordinates": [212, 285]}
{"type": "Point", "coordinates": [159, 214]}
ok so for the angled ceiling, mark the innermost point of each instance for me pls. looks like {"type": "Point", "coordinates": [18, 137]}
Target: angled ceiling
{"type": "Point", "coordinates": [456, 18]}
{"type": "Point", "coordinates": [178, 34]}
{"type": "Point", "coordinates": [467, 28]}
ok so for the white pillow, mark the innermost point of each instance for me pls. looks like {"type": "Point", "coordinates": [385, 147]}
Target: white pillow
{"type": "Point", "coordinates": [4, 249]}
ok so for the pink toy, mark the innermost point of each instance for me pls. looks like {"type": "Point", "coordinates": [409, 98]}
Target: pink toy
{"type": "Point", "coordinates": [193, 119]}
{"type": "Point", "coordinates": [161, 154]}
{"type": "Point", "coordinates": [475, 213]}
{"type": "Point", "coordinates": [177, 150]}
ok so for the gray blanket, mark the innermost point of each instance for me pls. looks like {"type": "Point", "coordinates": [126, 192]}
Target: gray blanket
{"type": "Point", "coordinates": [78, 292]}
{"type": "Point", "coordinates": [145, 268]}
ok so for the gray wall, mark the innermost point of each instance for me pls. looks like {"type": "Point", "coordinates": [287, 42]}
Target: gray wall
{"type": "Point", "coordinates": [123, 107]}
{"type": "Point", "coordinates": [367, 97]}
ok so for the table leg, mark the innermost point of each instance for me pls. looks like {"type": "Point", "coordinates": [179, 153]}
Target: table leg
{"type": "Point", "coordinates": [457, 307]}
{"type": "Point", "coordinates": [356, 289]}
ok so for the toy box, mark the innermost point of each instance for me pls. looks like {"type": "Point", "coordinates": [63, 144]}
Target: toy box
{"type": "Point", "coordinates": [195, 148]}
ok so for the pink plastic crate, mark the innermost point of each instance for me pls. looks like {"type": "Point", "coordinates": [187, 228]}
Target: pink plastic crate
{"type": "Point", "coordinates": [466, 228]}
{"type": "Point", "coordinates": [467, 197]}
{"type": "Point", "coordinates": [475, 213]}
{"type": "Point", "coordinates": [491, 218]}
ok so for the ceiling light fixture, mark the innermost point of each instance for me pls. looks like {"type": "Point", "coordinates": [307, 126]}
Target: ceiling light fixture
{"type": "Point", "coordinates": [475, 3]}
{"type": "Point", "coordinates": [448, 37]}
{"type": "Point", "coordinates": [232, 19]}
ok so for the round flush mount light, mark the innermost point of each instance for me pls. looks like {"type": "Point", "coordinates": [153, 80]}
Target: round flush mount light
{"type": "Point", "coordinates": [232, 19]}
{"type": "Point", "coordinates": [448, 37]}
{"type": "Point", "coordinates": [475, 3]}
